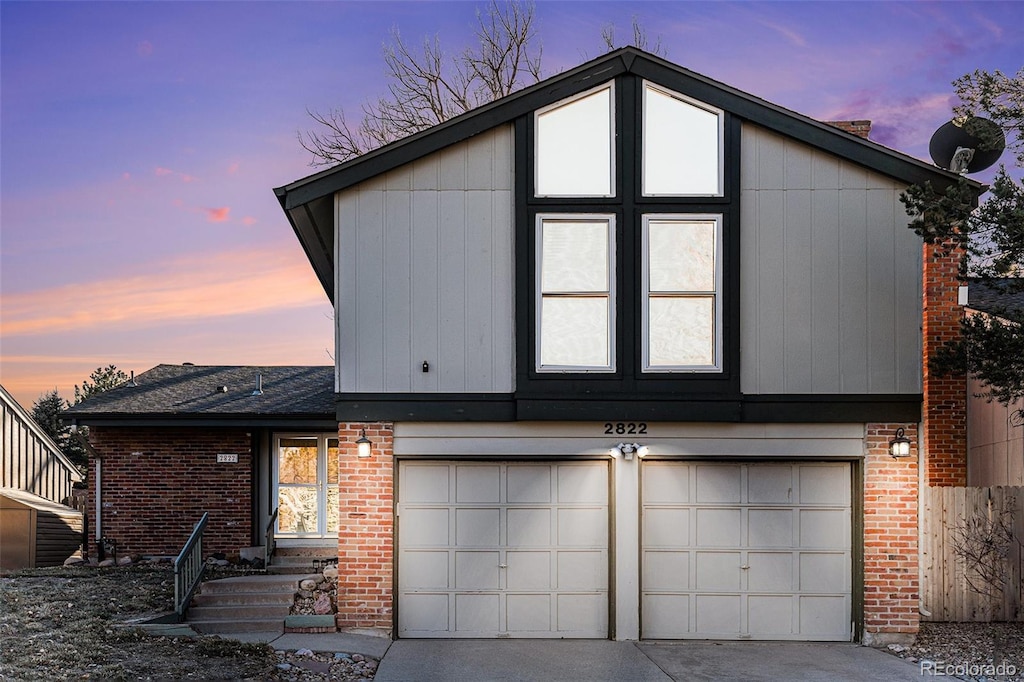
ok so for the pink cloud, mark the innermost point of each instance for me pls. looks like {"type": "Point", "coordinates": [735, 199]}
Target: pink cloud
{"type": "Point", "coordinates": [160, 171]}
{"type": "Point", "coordinates": [249, 221]}
{"type": "Point", "coordinates": [233, 168]}
{"type": "Point", "coordinates": [217, 215]}
{"type": "Point", "coordinates": [144, 48]}
{"type": "Point", "coordinates": [786, 32]}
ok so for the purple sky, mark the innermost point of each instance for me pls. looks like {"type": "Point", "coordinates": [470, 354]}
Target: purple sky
{"type": "Point", "coordinates": [140, 142]}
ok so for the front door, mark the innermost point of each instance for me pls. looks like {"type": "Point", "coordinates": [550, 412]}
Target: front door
{"type": "Point", "coordinates": [306, 478]}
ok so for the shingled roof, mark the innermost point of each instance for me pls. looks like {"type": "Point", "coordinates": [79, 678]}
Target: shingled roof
{"type": "Point", "coordinates": [181, 393]}
{"type": "Point", "coordinates": [1000, 297]}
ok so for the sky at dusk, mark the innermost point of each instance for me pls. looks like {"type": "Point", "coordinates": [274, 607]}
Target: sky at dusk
{"type": "Point", "coordinates": [140, 143]}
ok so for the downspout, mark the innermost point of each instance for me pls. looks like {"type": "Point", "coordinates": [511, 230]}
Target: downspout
{"type": "Point", "coordinates": [99, 477]}
{"type": "Point", "coordinates": [921, 485]}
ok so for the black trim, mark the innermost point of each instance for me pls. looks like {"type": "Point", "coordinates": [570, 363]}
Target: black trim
{"type": "Point", "coordinates": [591, 406]}
{"type": "Point", "coordinates": [163, 421]}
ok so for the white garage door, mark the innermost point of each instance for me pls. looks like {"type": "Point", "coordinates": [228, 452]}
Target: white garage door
{"type": "Point", "coordinates": [503, 549]}
{"type": "Point", "coordinates": [737, 551]}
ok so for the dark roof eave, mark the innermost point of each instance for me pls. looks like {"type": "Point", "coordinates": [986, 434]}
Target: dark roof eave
{"type": "Point", "coordinates": [121, 420]}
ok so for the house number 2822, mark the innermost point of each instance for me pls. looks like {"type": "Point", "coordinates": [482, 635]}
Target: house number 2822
{"type": "Point", "coordinates": [625, 428]}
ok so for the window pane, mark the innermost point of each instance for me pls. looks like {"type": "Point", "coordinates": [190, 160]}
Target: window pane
{"type": "Point", "coordinates": [575, 332]}
{"type": "Point", "coordinates": [297, 510]}
{"type": "Point", "coordinates": [681, 331]}
{"type": "Point", "coordinates": [681, 255]}
{"type": "Point", "coordinates": [332, 460]}
{"type": "Point", "coordinates": [297, 460]}
{"type": "Point", "coordinates": [680, 146]}
{"type": "Point", "coordinates": [575, 256]}
{"type": "Point", "coordinates": [574, 147]}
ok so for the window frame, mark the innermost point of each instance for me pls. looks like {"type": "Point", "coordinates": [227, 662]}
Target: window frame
{"type": "Point", "coordinates": [642, 146]}
{"type": "Point", "coordinates": [539, 295]}
{"type": "Point", "coordinates": [612, 145]}
{"type": "Point", "coordinates": [646, 294]}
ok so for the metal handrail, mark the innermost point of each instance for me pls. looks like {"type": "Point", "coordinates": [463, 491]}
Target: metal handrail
{"type": "Point", "coordinates": [189, 568]}
{"type": "Point", "coordinates": [269, 542]}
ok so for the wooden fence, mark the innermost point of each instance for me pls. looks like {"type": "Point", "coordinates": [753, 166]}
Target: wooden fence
{"type": "Point", "coordinates": [972, 554]}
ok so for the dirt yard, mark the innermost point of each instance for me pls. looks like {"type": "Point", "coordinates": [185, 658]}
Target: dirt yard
{"type": "Point", "coordinates": [67, 624]}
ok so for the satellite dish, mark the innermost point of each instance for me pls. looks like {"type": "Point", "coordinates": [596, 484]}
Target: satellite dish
{"type": "Point", "coordinates": [967, 147]}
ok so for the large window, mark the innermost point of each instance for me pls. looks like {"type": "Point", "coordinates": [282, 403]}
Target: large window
{"type": "Point", "coordinates": [629, 210]}
{"type": "Point", "coordinates": [575, 293]}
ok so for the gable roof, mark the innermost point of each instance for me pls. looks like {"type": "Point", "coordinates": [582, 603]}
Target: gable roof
{"type": "Point", "coordinates": [26, 421]}
{"type": "Point", "coordinates": [309, 205]}
{"type": "Point", "coordinates": [182, 394]}
{"type": "Point", "coordinates": [1000, 297]}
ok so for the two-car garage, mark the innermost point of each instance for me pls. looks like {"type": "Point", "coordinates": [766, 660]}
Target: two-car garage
{"type": "Point", "coordinates": [527, 548]}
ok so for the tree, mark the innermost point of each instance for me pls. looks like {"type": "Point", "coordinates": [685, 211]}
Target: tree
{"type": "Point", "coordinates": [100, 380]}
{"type": "Point", "coordinates": [432, 87]}
{"type": "Point", "coordinates": [989, 239]}
{"type": "Point", "coordinates": [46, 412]}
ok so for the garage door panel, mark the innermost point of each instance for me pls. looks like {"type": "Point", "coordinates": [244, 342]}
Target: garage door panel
{"type": "Point", "coordinates": [666, 570]}
{"type": "Point", "coordinates": [769, 616]}
{"type": "Point", "coordinates": [718, 484]}
{"type": "Point", "coordinates": [818, 528]}
{"type": "Point", "coordinates": [824, 485]}
{"type": "Point", "coordinates": [529, 527]}
{"type": "Point", "coordinates": [425, 483]}
{"type": "Point", "coordinates": [476, 570]}
{"type": "Point", "coordinates": [770, 572]}
{"type": "Point", "coordinates": [823, 617]}
{"type": "Point", "coordinates": [424, 613]}
{"type": "Point", "coordinates": [476, 527]}
{"type": "Point", "coordinates": [582, 570]}
{"type": "Point", "coordinates": [425, 527]}
{"type": "Point", "coordinates": [770, 528]}
{"type": "Point", "coordinates": [476, 613]}
{"type": "Point", "coordinates": [768, 484]}
{"type": "Point", "coordinates": [528, 613]}
{"type": "Point", "coordinates": [666, 484]}
{"type": "Point", "coordinates": [718, 614]}
{"type": "Point", "coordinates": [667, 527]}
{"type": "Point", "coordinates": [582, 527]}
{"type": "Point", "coordinates": [582, 484]}
{"type": "Point", "coordinates": [718, 571]}
{"type": "Point", "coordinates": [820, 572]}
{"type": "Point", "coordinates": [667, 616]}
{"type": "Point", "coordinates": [583, 615]}
{"type": "Point", "coordinates": [477, 484]}
{"type": "Point", "coordinates": [528, 571]}
{"type": "Point", "coordinates": [718, 528]}
{"type": "Point", "coordinates": [424, 570]}
{"type": "Point", "coordinates": [529, 485]}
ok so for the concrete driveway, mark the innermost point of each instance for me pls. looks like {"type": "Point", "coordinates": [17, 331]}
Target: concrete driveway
{"type": "Point", "coordinates": [523, 660]}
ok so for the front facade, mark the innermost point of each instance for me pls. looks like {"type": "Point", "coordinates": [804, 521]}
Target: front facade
{"type": "Point", "coordinates": [630, 347]}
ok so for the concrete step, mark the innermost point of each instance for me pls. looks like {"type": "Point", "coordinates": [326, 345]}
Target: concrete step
{"type": "Point", "coordinates": [244, 598]}
{"type": "Point", "coordinates": [238, 612]}
{"type": "Point", "coordinates": [254, 583]}
{"type": "Point", "coordinates": [214, 627]}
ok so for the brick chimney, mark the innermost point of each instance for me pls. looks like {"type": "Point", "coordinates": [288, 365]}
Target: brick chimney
{"type": "Point", "coordinates": [859, 128]}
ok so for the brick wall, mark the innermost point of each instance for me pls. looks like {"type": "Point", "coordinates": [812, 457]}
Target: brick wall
{"type": "Point", "coordinates": [366, 528]}
{"type": "Point", "coordinates": [944, 411]}
{"type": "Point", "coordinates": [859, 128]}
{"type": "Point", "coordinates": [891, 588]}
{"type": "Point", "coordinates": [157, 483]}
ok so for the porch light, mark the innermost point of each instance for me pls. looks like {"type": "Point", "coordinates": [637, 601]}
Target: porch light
{"type": "Point", "coordinates": [627, 450]}
{"type": "Point", "coordinates": [900, 445]}
{"type": "Point", "coordinates": [363, 446]}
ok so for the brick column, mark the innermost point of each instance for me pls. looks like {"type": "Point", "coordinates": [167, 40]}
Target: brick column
{"type": "Point", "coordinates": [891, 581]}
{"type": "Point", "coordinates": [365, 528]}
{"type": "Point", "coordinates": [944, 412]}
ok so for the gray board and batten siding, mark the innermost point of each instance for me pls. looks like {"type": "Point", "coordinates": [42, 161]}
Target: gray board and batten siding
{"type": "Point", "coordinates": [830, 280]}
{"type": "Point", "coordinates": [425, 274]}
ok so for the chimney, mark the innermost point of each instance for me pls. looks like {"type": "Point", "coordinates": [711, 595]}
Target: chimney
{"type": "Point", "coordinates": [859, 128]}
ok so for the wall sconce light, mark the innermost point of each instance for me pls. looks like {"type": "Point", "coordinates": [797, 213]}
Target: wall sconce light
{"type": "Point", "coordinates": [627, 450]}
{"type": "Point", "coordinates": [363, 446]}
{"type": "Point", "coordinates": [900, 445]}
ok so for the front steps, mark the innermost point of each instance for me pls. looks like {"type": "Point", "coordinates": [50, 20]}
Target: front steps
{"type": "Point", "coordinates": [299, 560]}
{"type": "Point", "coordinates": [255, 603]}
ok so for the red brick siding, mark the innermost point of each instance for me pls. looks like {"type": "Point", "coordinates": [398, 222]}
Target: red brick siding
{"type": "Point", "coordinates": [365, 528]}
{"type": "Point", "coordinates": [152, 500]}
{"type": "Point", "coordinates": [891, 590]}
{"type": "Point", "coordinates": [945, 398]}
{"type": "Point", "coordinates": [859, 128]}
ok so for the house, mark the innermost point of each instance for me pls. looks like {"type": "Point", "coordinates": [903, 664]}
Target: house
{"type": "Point", "coordinates": [37, 527]}
{"type": "Point", "coordinates": [631, 347]}
{"type": "Point", "coordinates": [181, 440]}
{"type": "Point", "coordinates": [995, 432]}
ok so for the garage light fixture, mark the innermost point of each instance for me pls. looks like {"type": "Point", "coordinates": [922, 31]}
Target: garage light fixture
{"type": "Point", "coordinates": [363, 446]}
{"type": "Point", "coordinates": [627, 450]}
{"type": "Point", "coordinates": [900, 445]}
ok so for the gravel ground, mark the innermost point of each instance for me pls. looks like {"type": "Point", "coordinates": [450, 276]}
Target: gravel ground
{"type": "Point", "coordinates": [66, 624]}
{"type": "Point", "coordinates": [970, 651]}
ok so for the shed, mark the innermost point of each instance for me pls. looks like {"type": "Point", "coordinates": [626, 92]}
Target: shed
{"type": "Point", "coordinates": [35, 532]}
